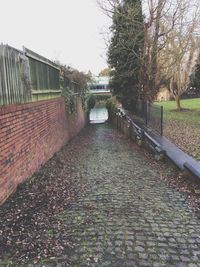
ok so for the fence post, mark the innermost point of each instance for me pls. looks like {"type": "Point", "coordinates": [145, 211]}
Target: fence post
{"type": "Point", "coordinates": [161, 120]}
{"type": "Point", "coordinates": [130, 130]}
{"type": "Point", "coordinates": [146, 113]}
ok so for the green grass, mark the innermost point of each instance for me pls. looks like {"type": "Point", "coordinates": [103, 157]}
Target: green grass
{"type": "Point", "coordinates": [190, 116]}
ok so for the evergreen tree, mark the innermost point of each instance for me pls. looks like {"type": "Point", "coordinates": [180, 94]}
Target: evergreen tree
{"type": "Point", "coordinates": [194, 90]}
{"type": "Point", "coordinates": [125, 51]}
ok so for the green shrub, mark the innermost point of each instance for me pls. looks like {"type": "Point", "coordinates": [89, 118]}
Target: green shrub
{"type": "Point", "coordinates": [90, 101]}
{"type": "Point", "coordinates": [110, 104]}
{"type": "Point", "coordinates": [70, 100]}
{"type": "Point", "coordinates": [102, 98]}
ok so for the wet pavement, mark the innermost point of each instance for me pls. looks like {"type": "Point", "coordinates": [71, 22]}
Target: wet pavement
{"type": "Point", "coordinates": [127, 216]}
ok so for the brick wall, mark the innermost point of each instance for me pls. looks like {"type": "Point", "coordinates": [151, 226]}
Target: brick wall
{"type": "Point", "coordinates": [29, 135]}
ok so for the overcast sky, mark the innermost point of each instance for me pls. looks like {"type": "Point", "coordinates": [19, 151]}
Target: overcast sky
{"type": "Point", "coordinates": [67, 30]}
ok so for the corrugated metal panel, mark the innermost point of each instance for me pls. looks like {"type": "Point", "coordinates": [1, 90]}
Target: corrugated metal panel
{"type": "Point", "coordinates": [15, 83]}
{"type": "Point", "coordinates": [44, 73]}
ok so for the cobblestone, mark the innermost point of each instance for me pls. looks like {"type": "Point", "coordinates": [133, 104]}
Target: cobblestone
{"type": "Point", "coordinates": [127, 216]}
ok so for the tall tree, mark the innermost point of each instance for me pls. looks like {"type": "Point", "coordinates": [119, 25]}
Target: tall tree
{"type": "Point", "coordinates": [138, 38]}
{"type": "Point", "coordinates": [181, 48]}
{"type": "Point", "coordinates": [105, 72]}
{"type": "Point", "coordinates": [124, 52]}
{"type": "Point", "coordinates": [156, 14]}
{"type": "Point", "coordinates": [163, 42]}
{"type": "Point", "coordinates": [194, 89]}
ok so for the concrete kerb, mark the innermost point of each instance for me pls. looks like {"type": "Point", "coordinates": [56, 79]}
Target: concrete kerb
{"type": "Point", "coordinates": [143, 139]}
{"type": "Point", "coordinates": [137, 134]}
{"type": "Point", "coordinates": [188, 168]}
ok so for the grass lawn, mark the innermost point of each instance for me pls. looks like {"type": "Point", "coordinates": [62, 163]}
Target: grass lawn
{"type": "Point", "coordinates": [192, 115]}
{"type": "Point", "coordinates": [183, 128]}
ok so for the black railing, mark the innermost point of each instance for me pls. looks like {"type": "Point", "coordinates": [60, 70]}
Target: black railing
{"type": "Point", "coordinates": [150, 115]}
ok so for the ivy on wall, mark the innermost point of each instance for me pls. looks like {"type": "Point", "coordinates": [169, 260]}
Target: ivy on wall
{"type": "Point", "coordinates": [73, 83]}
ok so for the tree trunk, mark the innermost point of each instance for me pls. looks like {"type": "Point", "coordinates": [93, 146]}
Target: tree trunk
{"type": "Point", "coordinates": [154, 51]}
{"type": "Point", "coordinates": [178, 103]}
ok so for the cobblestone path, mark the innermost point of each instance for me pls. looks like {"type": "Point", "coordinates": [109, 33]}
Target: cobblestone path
{"type": "Point", "coordinates": [127, 216]}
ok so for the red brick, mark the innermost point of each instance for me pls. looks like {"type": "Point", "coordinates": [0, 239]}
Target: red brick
{"type": "Point", "coordinates": [29, 135]}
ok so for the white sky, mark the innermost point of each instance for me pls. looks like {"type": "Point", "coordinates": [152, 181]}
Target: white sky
{"type": "Point", "coordinates": [67, 30]}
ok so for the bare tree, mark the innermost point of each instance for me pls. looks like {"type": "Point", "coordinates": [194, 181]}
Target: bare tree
{"type": "Point", "coordinates": [170, 43]}
{"type": "Point", "coordinates": [154, 16]}
{"type": "Point", "coordinates": [156, 35]}
{"type": "Point", "coordinates": [177, 60]}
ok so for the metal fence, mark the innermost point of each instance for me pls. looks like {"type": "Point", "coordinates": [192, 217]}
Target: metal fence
{"type": "Point", "coordinates": [26, 76]}
{"type": "Point", "coordinates": [150, 115]}
{"type": "Point", "coordinates": [44, 73]}
{"type": "Point", "coordinates": [15, 84]}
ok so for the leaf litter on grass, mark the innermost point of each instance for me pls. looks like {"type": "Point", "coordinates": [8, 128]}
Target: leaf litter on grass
{"type": "Point", "coordinates": [185, 135]}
